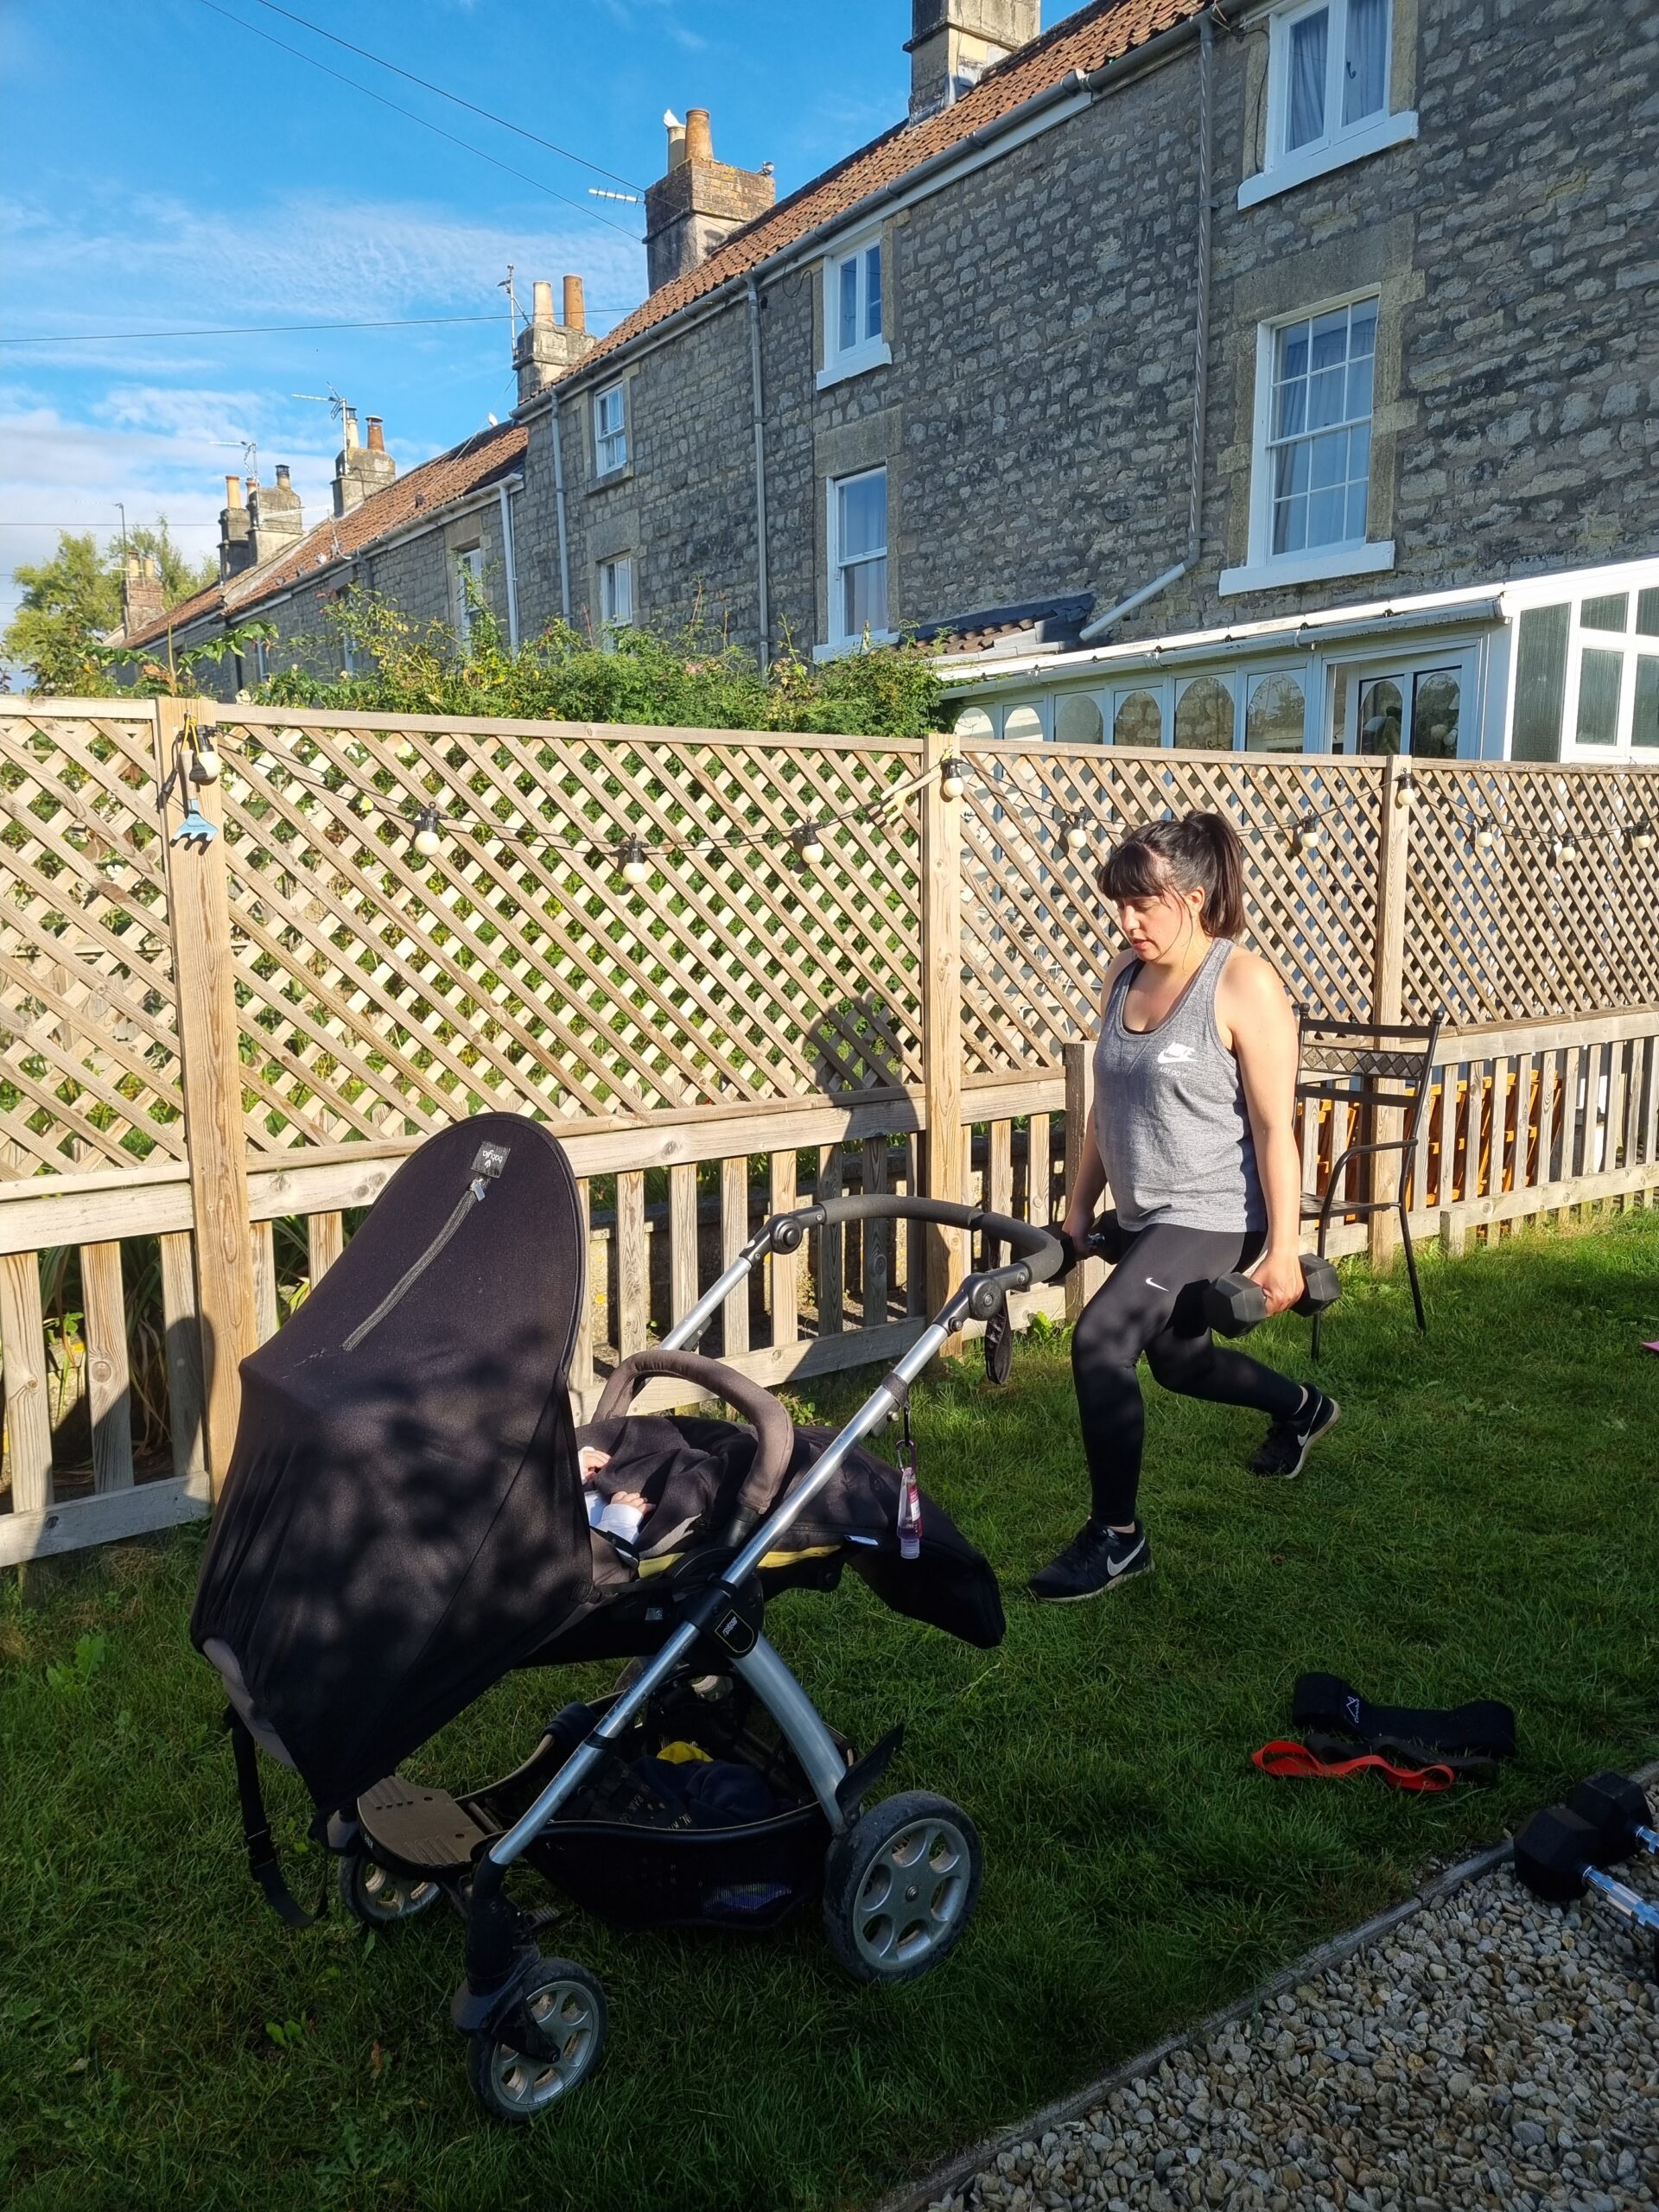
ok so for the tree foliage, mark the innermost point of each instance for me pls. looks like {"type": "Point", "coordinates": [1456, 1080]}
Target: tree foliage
{"type": "Point", "coordinates": [72, 600]}
{"type": "Point", "coordinates": [694, 679]}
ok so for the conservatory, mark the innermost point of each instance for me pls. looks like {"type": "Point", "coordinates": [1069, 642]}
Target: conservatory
{"type": "Point", "coordinates": [1561, 667]}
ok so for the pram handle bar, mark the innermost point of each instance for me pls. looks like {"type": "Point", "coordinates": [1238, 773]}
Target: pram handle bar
{"type": "Point", "coordinates": [1039, 1249]}
{"type": "Point", "coordinates": [774, 1431]}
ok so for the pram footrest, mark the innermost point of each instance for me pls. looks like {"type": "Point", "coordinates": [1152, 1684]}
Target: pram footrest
{"type": "Point", "coordinates": [423, 1829]}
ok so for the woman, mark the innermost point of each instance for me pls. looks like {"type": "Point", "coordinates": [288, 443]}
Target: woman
{"type": "Point", "coordinates": [1195, 1077]}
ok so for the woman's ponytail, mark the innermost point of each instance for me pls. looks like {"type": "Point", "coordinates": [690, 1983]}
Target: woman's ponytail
{"type": "Point", "coordinates": [1202, 850]}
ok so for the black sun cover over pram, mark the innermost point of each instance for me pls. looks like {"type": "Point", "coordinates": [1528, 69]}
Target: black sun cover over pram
{"type": "Point", "coordinates": [403, 1521]}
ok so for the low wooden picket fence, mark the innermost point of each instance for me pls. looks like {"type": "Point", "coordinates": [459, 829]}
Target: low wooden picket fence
{"type": "Point", "coordinates": [1528, 1120]}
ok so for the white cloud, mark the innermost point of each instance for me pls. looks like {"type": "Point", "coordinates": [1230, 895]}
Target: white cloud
{"type": "Point", "coordinates": [303, 257]}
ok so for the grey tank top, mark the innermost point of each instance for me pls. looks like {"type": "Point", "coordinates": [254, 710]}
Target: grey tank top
{"type": "Point", "coordinates": [1170, 1114]}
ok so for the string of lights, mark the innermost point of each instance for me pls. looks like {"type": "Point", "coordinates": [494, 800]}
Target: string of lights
{"type": "Point", "coordinates": [631, 851]}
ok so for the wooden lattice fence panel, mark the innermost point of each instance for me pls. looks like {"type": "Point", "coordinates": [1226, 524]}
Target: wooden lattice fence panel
{"type": "Point", "coordinates": [1037, 937]}
{"type": "Point", "coordinates": [88, 1030]}
{"type": "Point", "coordinates": [384, 992]}
{"type": "Point", "coordinates": [1531, 892]}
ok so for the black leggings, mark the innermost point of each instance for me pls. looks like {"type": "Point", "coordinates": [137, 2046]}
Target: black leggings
{"type": "Point", "coordinates": [1153, 1302]}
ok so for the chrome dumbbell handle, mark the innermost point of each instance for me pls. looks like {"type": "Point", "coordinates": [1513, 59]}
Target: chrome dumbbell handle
{"type": "Point", "coordinates": [1623, 1899]}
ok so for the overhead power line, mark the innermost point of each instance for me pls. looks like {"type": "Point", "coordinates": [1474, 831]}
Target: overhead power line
{"type": "Point", "coordinates": [426, 84]}
{"type": "Point", "coordinates": [260, 329]}
{"type": "Point", "coordinates": [437, 131]}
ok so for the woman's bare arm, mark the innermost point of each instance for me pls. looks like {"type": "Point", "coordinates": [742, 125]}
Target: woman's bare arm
{"type": "Point", "coordinates": [1256, 1019]}
{"type": "Point", "coordinates": [1091, 1172]}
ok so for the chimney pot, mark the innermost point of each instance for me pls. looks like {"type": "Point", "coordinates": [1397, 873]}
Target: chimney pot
{"type": "Point", "coordinates": [283, 482]}
{"type": "Point", "coordinates": [377, 435]}
{"type": "Point", "coordinates": [232, 491]}
{"type": "Point", "coordinates": [699, 138]}
{"type": "Point", "coordinates": [544, 311]}
{"type": "Point", "coordinates": [575, 313]}
{"type": "Point", "coordinates": [696, 207]}
{"type": "Point", "coordinates": [348, 417]}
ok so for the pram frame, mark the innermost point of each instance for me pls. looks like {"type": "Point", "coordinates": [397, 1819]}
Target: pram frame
{"type": "Point", "coordinates": [495, 1958]}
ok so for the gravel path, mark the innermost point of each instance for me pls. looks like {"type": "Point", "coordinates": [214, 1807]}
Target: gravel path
{"type": "Point", "coordinates": [1489, 2050]}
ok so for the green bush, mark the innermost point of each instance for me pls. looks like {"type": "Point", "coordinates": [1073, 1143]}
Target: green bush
{"type": "Point", "coordinates": [696, 679]}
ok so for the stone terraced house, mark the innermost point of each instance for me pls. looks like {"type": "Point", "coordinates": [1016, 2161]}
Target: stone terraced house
{"type": "Point", "coordinates": [1281, 374]}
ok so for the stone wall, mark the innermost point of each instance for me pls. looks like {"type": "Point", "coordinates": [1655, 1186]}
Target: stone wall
{"type": "Point", "coordinates": [1035, 415]}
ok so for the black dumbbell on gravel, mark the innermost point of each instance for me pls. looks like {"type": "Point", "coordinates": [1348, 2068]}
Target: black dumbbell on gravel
{"type": "Point", "coordinates": [1618, 1808]}
{"type": "Point", "coordinates": [1557, 1855]}
{"type": "Point", "coordinates": [1233, 1305]}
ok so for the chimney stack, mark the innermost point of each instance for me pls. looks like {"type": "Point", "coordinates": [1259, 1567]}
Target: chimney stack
{"type": "Point", "coordinates": [360, 470]}
{"type": "Point", "coordinates": [143, 599]}
{"type": "Point", "coordinates": [698, 205]}
{"type": "Point", "coordinates": [954, 42]}
{"type": "Point", "coordinates": [235, 531]}
{"type": "Point", "coordinates": [274, 514]}
{"type": "Point", "coordinates": [545, 349]}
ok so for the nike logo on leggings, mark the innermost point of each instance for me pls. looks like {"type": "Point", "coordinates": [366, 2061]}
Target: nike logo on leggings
{"type": "Point", "coordinates": [1149, 1281]}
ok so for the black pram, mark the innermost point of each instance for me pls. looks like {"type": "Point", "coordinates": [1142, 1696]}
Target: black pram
{"type": "Point", "coordinates": [405, 1521]}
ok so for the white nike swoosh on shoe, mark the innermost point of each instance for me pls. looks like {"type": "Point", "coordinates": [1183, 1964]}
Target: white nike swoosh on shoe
{"type": "Point", "coordinates": [1114, 1567]}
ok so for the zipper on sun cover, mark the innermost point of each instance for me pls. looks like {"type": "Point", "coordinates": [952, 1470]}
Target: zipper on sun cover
{"type": "Point", "coordinates": [492, 1158]}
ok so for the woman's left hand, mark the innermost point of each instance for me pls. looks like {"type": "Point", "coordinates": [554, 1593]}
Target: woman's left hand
{"type": "Point", "coordinates": [1280, 1274]}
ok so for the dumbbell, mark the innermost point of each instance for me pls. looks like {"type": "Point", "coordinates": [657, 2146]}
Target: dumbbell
{"type": "Point", "coordinates": [1617, 1810]}
{"type": "Point", "coordinates": [1233, 1305]}
{"type": "Point", "coordinates": [1555, 1857]}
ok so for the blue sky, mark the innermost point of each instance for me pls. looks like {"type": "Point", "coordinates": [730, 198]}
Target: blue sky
{"type": "Point", "coordinates": [164, 169]}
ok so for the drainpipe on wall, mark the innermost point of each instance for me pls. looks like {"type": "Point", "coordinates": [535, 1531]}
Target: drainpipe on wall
{"type": "Point", "coordinates": [1102, 623]}
{"type": "Point", "coordinates": [758, 396]}
{"type": "Point", "coordinates": [558, 501]}
{"type": "Point", "coordinates": [511, 566]}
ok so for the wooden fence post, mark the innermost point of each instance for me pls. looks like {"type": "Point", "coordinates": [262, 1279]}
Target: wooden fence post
{"type": "Point", "coordinates": [199, 919]}
{"type": "Point", "coordinates": [1085, 1279]}
{"type": "Point", "coordinates": [941, 1009]}
{"type": "Point", "coordinates": [1387, 975]}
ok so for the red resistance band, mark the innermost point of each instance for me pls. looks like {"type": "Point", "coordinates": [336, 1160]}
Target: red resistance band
{"type": "Point", "coordinates": [1298, 1762]}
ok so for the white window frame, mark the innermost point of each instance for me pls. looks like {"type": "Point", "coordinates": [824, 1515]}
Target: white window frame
{"type": "Point", "coordinates": [607, 573]}
{"type": "Point", "coordinates": [467, 561]}
{"type": "Point", "coordinates": [865, 352]}
{"type": "Point", "coordinates": [613, 464]}
{"type": "Point", "coordinates": [1264, 570]}
{"type": "Point", "coordinates": [1629, 645]}
{"type": "Point", "coordinates": [1404, 666]}
{"type": "Point", "coordinates": [1280, 170]}
{"type": "Point", "coordinates": [838, 641]}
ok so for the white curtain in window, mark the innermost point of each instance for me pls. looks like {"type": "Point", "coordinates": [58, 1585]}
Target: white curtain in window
{"type": "Point", "coordinates": [862, 549]}
{"type": "Point", "coordinates": [1365, 78]}
{"type": "Point", "coordinates": [1309, 48]}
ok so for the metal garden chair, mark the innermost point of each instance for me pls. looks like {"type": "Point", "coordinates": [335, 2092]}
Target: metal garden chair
{"type": "Point", "coordinates": [1377, 1066]}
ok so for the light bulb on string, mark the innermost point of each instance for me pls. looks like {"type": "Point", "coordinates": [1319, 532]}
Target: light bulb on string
{"type": "Point", "coordinates": [1642, 836]}
{"type": "Point", "coordinates": [953, 775]}
{"type": "Point", "coordinates": [1566, 849]}
{"type": "Point", "coordinates": [427, 839]}
{"type": "Point", "coordinates": [808, 840]}
{"type": "Point", "coordinates": [1077, 837]}
{"type": "Point", "coordinates": [1304, 838]}
{"type": "Point", "coordinates": [1483, 836]}
{"type": "Point", "coordinates": [636, 868]}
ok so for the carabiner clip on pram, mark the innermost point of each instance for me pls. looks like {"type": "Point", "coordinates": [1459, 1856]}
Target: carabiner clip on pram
{"type": "Point", "coordinates": [909, 1496]}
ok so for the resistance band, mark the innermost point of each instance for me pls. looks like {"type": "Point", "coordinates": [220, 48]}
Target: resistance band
{"type": "Point", "coordinates": [1303, 1761]}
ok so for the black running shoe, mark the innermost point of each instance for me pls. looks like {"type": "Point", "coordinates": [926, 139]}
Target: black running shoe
{"type": "Point", "coordinates": [1097, 1559]}
{"type": "Point", "coordinates": [1288, 1442]}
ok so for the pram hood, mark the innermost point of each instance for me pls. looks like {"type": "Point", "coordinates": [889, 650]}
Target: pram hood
{"type": "Point", "coordinates": [402, 1520]}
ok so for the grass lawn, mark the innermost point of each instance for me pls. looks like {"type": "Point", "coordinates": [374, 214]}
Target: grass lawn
{"type": "Point", "coordinates": [1485, 1520]}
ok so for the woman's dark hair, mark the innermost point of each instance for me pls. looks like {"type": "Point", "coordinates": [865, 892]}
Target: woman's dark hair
{"type": "Point", "coordinates": [1203, 849]}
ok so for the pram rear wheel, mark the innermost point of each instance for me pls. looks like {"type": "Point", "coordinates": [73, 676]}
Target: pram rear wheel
{"type": "Point", "coordinates": [559, 2009]}
{"type": "Point", "coordinates": [376, 1897]}
{"type": "Point", "coordinates": [901, 1887]}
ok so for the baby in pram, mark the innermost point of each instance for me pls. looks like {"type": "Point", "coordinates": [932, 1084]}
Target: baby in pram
{"type": "Point", "coordinates": [620, 1514]}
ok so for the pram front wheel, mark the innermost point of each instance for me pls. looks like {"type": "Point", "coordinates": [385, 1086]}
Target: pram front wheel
{"type": "Point", "coordinates": [376, 1896]}
{"type": "Point", "coordinates": [901, 1887]}
{"type": "Point", "coordinates": [548, 2043]}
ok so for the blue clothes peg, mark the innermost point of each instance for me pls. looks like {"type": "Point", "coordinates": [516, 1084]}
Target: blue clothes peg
{"type": "Point", "coordinates": [195, 828]}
